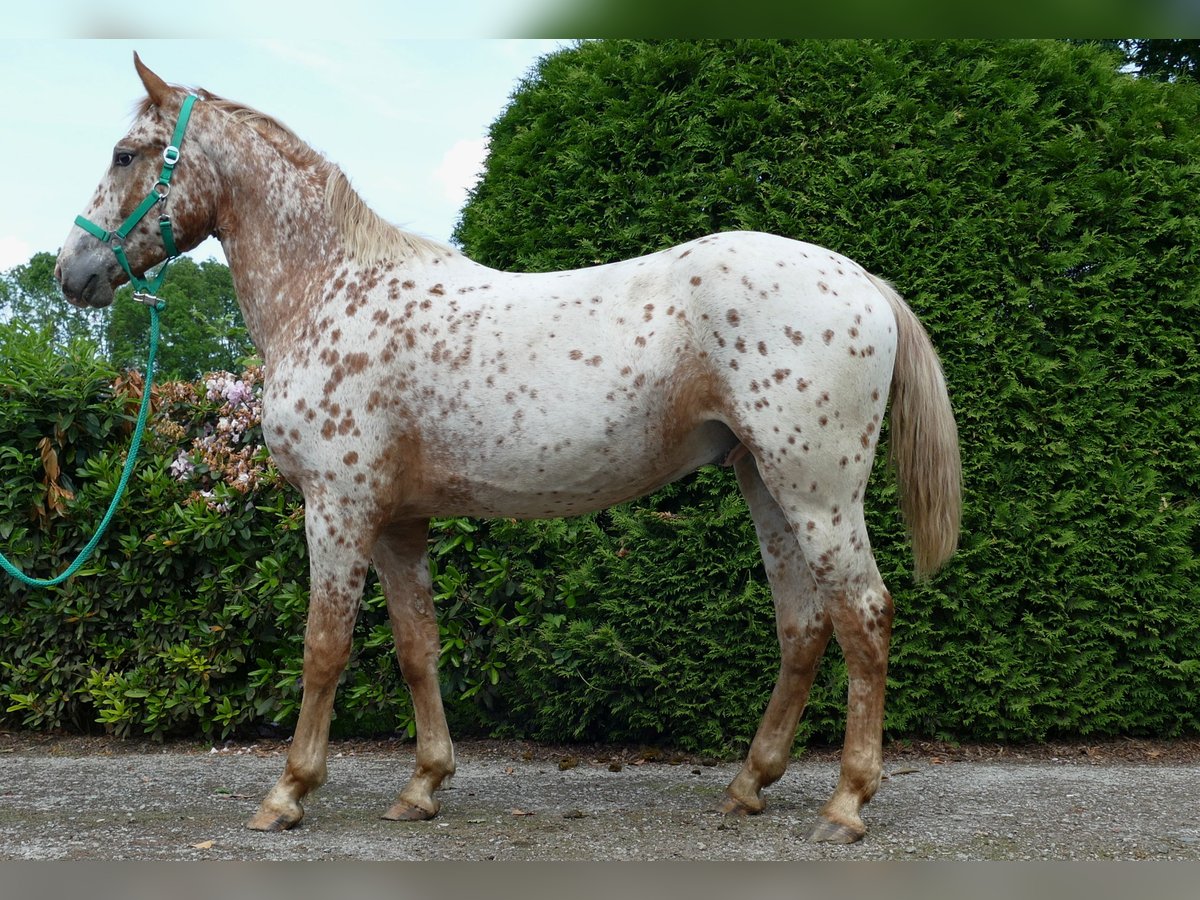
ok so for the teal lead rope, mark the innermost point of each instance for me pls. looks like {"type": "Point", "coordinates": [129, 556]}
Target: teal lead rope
{"type": "Point", "coordinates": [126, 472]}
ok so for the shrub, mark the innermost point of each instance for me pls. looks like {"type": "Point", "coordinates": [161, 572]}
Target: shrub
{"type": "Point", "coordinates": [1037, 208]}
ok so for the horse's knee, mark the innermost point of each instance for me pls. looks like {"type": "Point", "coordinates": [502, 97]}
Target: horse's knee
{"type": "Point", "coordinates": [325, 656]}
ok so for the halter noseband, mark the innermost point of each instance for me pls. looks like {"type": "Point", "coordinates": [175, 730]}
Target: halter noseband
{"type": "Point", "coordinates": [146, 290]}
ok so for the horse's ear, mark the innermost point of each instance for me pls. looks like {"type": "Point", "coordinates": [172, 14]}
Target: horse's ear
{"type": "Point", "coordinates": [159, 90]}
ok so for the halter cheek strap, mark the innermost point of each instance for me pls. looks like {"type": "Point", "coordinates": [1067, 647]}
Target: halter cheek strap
{"type": "Point", "coordinates": [145, 290]}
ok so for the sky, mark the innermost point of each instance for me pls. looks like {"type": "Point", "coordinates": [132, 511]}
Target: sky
{"type": "Point", "coordinates": [399, 94]}
{"type": "Point", "coordinates": [405, 118]}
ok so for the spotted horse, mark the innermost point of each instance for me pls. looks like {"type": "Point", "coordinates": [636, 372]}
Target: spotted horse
{"type": "Point", "coordinates": [404, 381]}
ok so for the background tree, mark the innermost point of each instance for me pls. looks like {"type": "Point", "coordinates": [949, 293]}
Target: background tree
{"type": "Point", "coordinates": [30, 298]}
{"type": "Point", "coordinates": [1036, 206]}
{"type": "Point", "coordinates": [1168, 59]}
{"type": "Point", "coordinates": [202, 331]}
{"type": "Point", "coordinates": [202, 328]}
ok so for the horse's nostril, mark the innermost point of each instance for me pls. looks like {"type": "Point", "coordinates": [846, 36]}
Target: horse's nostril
{"type": "Point", "coordinates": [58, 274]}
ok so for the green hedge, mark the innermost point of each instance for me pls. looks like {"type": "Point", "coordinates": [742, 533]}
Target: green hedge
{"type": "Point", "coordinates": [1037, 209]}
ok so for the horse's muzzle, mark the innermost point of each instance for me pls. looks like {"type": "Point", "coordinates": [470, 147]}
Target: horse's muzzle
{"type": "Point", "coordinates": [87, 275]}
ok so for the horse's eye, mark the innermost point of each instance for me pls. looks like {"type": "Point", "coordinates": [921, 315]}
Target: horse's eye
{"type": "Point", "coordinates": [122, 158]}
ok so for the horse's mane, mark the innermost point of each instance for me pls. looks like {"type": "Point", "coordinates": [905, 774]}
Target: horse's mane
{"type": "Point", "coordinates": [365, 235]}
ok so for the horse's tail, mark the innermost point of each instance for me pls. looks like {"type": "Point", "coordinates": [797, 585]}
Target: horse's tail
{"type": "Point", "coordinates": [924, 442]}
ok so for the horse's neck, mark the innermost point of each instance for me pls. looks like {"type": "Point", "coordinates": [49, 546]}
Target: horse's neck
{"type": "Point", "coordinates": [278, 239]}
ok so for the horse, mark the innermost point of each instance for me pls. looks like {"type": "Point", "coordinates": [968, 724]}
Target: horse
{"type": "Point", "coordinates": [405, 381]}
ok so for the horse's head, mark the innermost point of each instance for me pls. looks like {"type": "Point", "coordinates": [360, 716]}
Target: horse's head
{"type": "Point", "coordinates": [174, 191]}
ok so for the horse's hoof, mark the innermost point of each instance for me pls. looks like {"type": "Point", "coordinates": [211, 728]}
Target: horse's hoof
{"type": "Point", "coordinates": [403, 811]}
{"type": "Point", "coordinates": [731, 806]}
{"type": "Point", "coordinates": [269, 820]}
{"type": "Point", "coordinates": [828, 832]}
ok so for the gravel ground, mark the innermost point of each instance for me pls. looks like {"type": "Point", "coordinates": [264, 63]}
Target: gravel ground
{"type": "Point", "coordinates": [91, 799]}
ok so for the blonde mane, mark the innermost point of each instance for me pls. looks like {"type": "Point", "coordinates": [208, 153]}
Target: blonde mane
{"type": "Point", "coordinates": [366, 237]}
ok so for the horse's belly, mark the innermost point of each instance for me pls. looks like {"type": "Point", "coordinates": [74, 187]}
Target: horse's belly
{"type": "Point", "coordinates": [565, 475]}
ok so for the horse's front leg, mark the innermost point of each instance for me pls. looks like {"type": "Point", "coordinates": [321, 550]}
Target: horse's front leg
{"type": "Point", "coordinates": [338, 567]}
{"type": "Point", "coordinates": [403, 566]}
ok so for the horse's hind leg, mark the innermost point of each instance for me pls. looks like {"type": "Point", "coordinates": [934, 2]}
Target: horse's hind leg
{"type": "Point", "coordinates": [853, 594]}
{"type": "Point", "coordinates": [338, 570]}
{"type": "Point", "coordinates": [823, 577]}
{"type": "Point", "coordinates": [403, 566]}
{"type": "Point", "coordinates": [862, 621]}
{"type": "Point", "coordinates": [803, 627]}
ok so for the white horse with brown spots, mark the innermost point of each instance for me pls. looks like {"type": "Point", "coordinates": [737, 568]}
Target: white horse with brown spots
{"type": "Point", "coordinates": [405, 381]}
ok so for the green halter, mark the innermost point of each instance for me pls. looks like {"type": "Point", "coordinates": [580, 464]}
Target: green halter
{"type": "Point", "coordinates": [157, 196]}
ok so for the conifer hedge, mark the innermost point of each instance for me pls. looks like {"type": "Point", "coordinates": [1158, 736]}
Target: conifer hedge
{"type": "Point", "coordinates": [1039, 211]}
{"type": "Point", "coordinates": [1034, 205]}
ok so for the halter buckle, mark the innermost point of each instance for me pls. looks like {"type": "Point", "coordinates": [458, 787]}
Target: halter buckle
{"type": "Point", "coordinates": [170, 156]}
{"type": "Point", "coordinates": [148, 299]}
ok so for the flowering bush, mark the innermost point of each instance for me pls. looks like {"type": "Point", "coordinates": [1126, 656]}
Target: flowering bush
{"type": "Point", "coordinates": [228, 448]}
